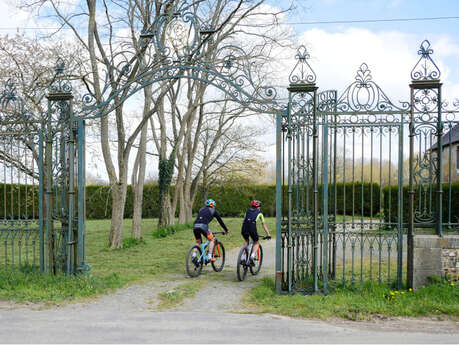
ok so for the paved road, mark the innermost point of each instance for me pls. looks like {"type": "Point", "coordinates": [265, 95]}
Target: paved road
{"type": "Point", "coordinates": [59, 326]}
{"type": "Point", "coordinates": [130, 316]}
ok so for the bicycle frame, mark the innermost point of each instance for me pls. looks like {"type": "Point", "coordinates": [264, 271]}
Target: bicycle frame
{"type": "Point", "coordinates": [250, 245]}
{"type": "Point", "coordinates": [203, 256]}
{"type": "Point", "coordinates": [205, 251]}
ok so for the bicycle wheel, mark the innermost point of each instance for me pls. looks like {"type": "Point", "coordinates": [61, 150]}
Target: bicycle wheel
{"type": "Point", "coordinates": [257, 261]}
{"type": "Point", "coordinates": [219, 255]}
{"type": "Point", "coordinates": [193, 268]}
{"type": "Point", "coordinates": [242, 263]}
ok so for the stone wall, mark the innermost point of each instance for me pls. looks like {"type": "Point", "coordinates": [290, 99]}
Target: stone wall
{"type": "Point", "coordinates": [434, 255]}
{"type": "Point", "coordinates": [450, 263]}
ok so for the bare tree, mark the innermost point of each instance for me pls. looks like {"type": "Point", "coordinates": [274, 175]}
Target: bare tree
{"type": "Point", "coordinates": [96, 26]}
{"type": "Point", "coordinates": [27, 68]}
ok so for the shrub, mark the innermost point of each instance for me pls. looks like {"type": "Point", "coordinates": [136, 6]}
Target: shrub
{"type": "Point", "coordinates": [171, 229]}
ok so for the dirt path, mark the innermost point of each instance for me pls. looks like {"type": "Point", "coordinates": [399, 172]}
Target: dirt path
{"type": "Point", "coordinates": [216, 314]}
{"type": "Point", "coordinates": [222, 291]}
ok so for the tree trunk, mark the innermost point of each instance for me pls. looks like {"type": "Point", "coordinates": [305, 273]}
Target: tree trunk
{"type": "Point", "coordinates": [138, 181]}
{"type": "Point", "coordinates": [116, 227]}
{"type": "Point", "coordinates": [165, 217]}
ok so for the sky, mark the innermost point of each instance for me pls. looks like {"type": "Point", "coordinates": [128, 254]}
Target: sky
{"type": "Point", "coordinates": [338, 50]}
{"type": "Point", "coordinates": [388, 48]}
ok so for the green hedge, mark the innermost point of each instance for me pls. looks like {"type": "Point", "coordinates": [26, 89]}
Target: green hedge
{"type": "Point", "coordinates": [232, 200]}
{"type": "Point", "coordinates": [24, 200]}
{"type": "Point", "coordinates": [390, 214]}
{"type": "Point", "coordinates": [350, 200]}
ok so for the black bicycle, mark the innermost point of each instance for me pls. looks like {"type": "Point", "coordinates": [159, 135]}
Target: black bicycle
{"type": "Point", "coordinates": [244, 263]}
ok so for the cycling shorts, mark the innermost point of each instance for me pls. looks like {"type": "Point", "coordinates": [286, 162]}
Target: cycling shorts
{"type": "Point", "coordinates": [202, 229]}
{"type": "Point", "coordinates": [250, 232]}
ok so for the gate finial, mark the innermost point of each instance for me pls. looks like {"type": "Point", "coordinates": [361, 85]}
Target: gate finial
{"type": "Point", "coordinates": [425, 69]}
{"type": "Point", "coordinates": [60, 82]}
{"type": "Point", "coordinates": [302, 73]}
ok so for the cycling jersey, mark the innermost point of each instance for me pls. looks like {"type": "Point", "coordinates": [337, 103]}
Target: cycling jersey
{"type": "Point", "coordinates": [205, 216]}
{"type": "Point", "coordinates": [249, 225]}
{"type": "Point", "coordinates": [201, 224]}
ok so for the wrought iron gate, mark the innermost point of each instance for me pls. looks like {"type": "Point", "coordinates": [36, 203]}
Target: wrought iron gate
{"type": "Point", "coordinates": [20, 171]}
{"type": "Point", "coordinates": [341, 213]}
{"type": "Point", "coordinates": [64, 181]}
{"type": "Point", "coordinates": [42, 182]}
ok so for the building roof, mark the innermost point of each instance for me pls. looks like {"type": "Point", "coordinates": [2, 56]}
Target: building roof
{"type": "Point", "coordinates": [445, 139]}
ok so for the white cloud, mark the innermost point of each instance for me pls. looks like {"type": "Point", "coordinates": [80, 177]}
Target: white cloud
{"type": "Point", "coordinates": [395, 3]}
{"type": "Point", "coordinates": [390, 55]}
{"type": "Point", "coordinates": [11, 17]}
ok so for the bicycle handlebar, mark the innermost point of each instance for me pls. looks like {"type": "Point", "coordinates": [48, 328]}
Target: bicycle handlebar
{"type": "Point", "coordinates": [219, 233]}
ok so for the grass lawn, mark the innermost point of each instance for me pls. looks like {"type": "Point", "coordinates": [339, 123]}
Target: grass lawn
{"type": "Point", "coordinates": [155, 257]}
{"type": "Point", "coordinates": [361, 301]}
{"type": "Point", "coordinates": [150, 259]}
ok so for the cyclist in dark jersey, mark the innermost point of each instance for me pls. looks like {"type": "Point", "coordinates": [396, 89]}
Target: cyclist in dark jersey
{"type": "Point", "coordinates": [249, 226]}
{"type": "Point", "coordinates": [201, 225]}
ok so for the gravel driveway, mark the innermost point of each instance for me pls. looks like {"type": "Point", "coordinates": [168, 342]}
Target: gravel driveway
{"type": "Point", "coordinates": [215, 314]}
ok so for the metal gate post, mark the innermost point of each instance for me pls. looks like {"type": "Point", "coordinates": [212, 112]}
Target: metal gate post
{"type": "Point", "coordinates": [325, 203]}
{"type": "Point", "coordinates": [278, 277]}
{"type": "Point", "coordinates": [81, 265]}
{"type": "Point", "coordinates": [425, 93]}
{"type": "Point", "coordinates": [289, 194]}
{"type": "Point", "coordinates": [400, 207]}
{"type": "Point", "coordinates": [302, 104]}
{"type": "Point", "coordinates": [71, 188]}
{"type": "Point", "coordinates": [48, 172]}
{"type": "Point", "coordinates": [439, 164]}
{"type": "Point", "coordinates": [410, 256]}
{"type": "Point", "coordinates": [335, 188]}
{"type": "Point", "coordinates": [40, 200]}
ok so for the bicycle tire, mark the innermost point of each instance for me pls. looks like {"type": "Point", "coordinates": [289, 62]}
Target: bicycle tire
{"type": "Point", "coordinates": [193, 269]}
{"type": "Point", "coordinates": [258, 261]}
{"type": "Point", "coordinates": [219, 255]}
{"type": "Point", "coordinates": [241, 264]}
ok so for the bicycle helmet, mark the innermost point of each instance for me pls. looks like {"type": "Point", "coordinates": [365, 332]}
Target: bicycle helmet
{"type": "Point", "coordinates": [211, 203]}
{"type": "Point", "coordinates": [255, 203]}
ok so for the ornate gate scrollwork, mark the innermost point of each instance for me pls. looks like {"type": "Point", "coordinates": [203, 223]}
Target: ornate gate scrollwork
{"type": "Point", "coordinates": [63, 180]}
{"type": "Point", "coordinates": [341, 177]}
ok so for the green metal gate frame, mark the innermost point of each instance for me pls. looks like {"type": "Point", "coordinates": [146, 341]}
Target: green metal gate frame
{"type": "Point", "coordinates": [64, 183]}
{"type": "Point", "coordinates": [48, 149]}
{"type": "Point", "coordinates": [62, 179]}
{"type": "Point", "coordinates": [312, 242]}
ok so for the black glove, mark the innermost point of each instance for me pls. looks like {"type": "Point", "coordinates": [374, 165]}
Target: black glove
{"type": "Point", "coordinates": [267, 237]}
{"type": "Point", "coordinates": [225, 233]}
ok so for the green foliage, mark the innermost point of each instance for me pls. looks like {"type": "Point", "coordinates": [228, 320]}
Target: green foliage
{"type": "Point", "coordinates": [36, 287]}
{"type": "Point", "coordinates": [171, 229]}
{"type": "Point", "coordinates": [18, 201]}
{"type": "Point", "coordinates": [360, 301]}
{"type": "Point", "coordinates": [359, 199]}
{"type": "Point", "coordinates": [391, 197]}
{"type": "Point", "coordinates": [231, 200]}
{"type": "Point", "coordinates": [166, 170]}
{"type": "Point", "coordinates": [234, 200]}
{"type": "Point", "coordinates": [131, 242]}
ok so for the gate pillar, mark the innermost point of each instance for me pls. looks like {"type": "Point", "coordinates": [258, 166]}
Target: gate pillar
{"type": "Point", "coordinates": [63, 180]}
{"type": "Point", "coordinates": [426, 130]}
{"type": "Point", "coordinates": [298, 237]}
